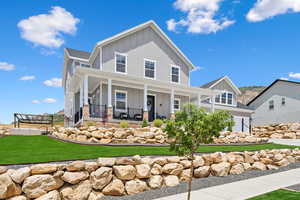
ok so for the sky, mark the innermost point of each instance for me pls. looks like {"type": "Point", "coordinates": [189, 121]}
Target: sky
{"type": "Point", "coordinates": [254, 42]}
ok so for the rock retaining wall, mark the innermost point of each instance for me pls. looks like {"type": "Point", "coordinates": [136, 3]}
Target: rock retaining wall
{"type": "Point", "coordinates": [279, 131]}
{"type": "Point", "coordinates": [4, 131]}
{"type": "Point", "coordinates": [126, 176]}
{"type": "Point", "coordinates": [148, 135]}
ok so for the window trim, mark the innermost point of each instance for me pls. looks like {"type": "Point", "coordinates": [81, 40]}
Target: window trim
{"type": "Point", "coordinates": [179, 78]}
{"type": "Point", "coordinates": [126, 105]}
{"type": "Point", "coordinates": [269, 104]}
{"type": "Point", "coordinates": [179, 102]}
{"type": "Point", "coordinates": [154, 61]}
{"type": "Point", "coordinates": [121, 54]}
{"type": "Point", "coordinates": [283, 101]}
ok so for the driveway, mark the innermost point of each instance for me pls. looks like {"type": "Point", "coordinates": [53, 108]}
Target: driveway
{"type": "Point", "coordinates": [294, 142]}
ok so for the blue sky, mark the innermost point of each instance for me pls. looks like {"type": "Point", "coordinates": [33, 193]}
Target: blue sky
{"type": "Point", "coordinates": [251, 42]}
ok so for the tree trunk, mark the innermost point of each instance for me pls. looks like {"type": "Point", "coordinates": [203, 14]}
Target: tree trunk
{"type": "Point", "coordinates": [191, 177]}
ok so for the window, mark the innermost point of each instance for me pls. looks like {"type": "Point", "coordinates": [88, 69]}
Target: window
{"type": "Point", "coordinates": [176, 104]}
{"type": "Point", "coordinates": [121, 100]}
{"type": "Point", "coordinates": [223, 99]}
{"type": "Point", "coordinates": [217, 99]}
{"type": "Point", "coordinates": [229, 98]}
{"type": "Point", "coordinates": [271, 105]}
{"type": "Point", "coordinates": [149, 68]}
{"type": "Point", "coordinates": [283, 101]}
{"type": "Point", "coordinates": [80, 64]}
{"type": "Point", "coordinates": [175, 74]}
{"type": "Point", "coordinates": [121, 63]}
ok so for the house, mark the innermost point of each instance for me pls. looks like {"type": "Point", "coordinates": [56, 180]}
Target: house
{"type": "Point", "coordinates": [137, 74]}
{"type": "Point", "coordinates": [278, 103]}
{"type": "Point", "coordinates": [227, 100]}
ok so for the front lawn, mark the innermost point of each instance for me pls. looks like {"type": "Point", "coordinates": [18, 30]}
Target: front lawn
{"type": "Point", "coordinates": [34, 149]}
{"type": "Point", "coordinates": [279, 195]}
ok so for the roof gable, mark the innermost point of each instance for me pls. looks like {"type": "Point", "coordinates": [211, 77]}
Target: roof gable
{"type": "Point", "coordinates": [213, 83]}
{"type": "Point", "coordinates": [269, 87]}
{"type": "Point", "coordinates": [135, 29]}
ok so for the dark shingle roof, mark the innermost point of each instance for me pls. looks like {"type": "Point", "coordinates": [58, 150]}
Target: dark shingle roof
{"type": "Point", "coordinates": [243, 106]}
{"type": "Point", "coordinates": [78, 53]}
{"type": "Point", "coordinates": [207, 85]}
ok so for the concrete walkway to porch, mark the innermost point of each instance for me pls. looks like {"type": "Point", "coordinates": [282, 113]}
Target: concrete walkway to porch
{"type": "Point", "coordinates": [294, 142]}
{"type": "Point", "coordinates": [244, 189]}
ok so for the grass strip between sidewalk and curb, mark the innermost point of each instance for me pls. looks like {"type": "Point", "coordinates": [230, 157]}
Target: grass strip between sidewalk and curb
{"type": "Point", "coordinates": [37, 149]}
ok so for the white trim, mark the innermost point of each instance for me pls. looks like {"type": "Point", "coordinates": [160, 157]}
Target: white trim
{"type": "Point", "coordinates": [101, 91]}
{"type": "Point", "coordinates": [179, 103]}
{"type": "Point", "coordinates": [155, 103]}
{"type": "Point", "coordinates": [121, 54]}
{"type": "Point", "coordinates": [154, 61]}
{"type": "Point", "coordinates": [101, 58]}
{"type": "Point", "coordinates": [234, 103]}
{"type": "Point", "coordinates": [178, 67]}
{"type": "Point", "coordinates": [126, 105]}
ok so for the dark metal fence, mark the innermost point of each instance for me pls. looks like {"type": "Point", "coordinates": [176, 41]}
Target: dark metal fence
{"type": "Point", "coordinates": [135, 114]}
{"type": "Point", "coordinates": [98, 111]}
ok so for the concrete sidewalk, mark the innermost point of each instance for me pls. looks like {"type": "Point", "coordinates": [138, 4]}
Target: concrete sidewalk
{"type": "Point", "coordinates": [294, 142]}
{"type": "Point", "coordinates": [244, 189]}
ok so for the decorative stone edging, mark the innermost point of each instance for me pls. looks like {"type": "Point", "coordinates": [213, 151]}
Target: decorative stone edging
{"type": "Point", "coordinates": [130, 175]}
{"type": "Point", "coordinates": [147, 135]}
{"type": "Point", "coordinates": [278, 131]}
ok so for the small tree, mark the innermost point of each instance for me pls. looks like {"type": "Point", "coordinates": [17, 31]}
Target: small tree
{"type": "Point", "coordinates": [193, 126]}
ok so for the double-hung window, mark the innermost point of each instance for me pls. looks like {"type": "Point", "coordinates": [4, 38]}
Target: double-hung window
{"type": "Point", "coordinates": [175, 74]}
{"type": "Point", "coordinates": [121, 63]}
{"type": "Point", "coordinates": [149, 66]}
{"type": "Point", "coordinates": [176, 104]}
{"type": "Point", "coordinates": [217, 99]}
{"type": "Point", "coordinates": [121, 100]}
{"type": "Point", "coordinates": [223, 98]}
{"type": "Point", "coordinates": [229, 98]}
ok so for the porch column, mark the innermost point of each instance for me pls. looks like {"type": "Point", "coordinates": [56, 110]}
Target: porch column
{"type": "Point", "coordinates": [109, 100]}
{"type": "Point", "coordinates": [172, 104]}
{"type": "Point", "coordinates": [212, 103]}
{"type": "Point", "coordinates": [199, 100]}
{"type": "Point", "coordinates": [85, 109]}
{"type": "Point", "coordinates": [145, 109]}
{"type": "Point", "coordinates": [81, 95]}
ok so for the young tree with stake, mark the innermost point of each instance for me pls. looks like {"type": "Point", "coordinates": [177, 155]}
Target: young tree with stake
{"type": "Point", "coordinates": [193, 126]}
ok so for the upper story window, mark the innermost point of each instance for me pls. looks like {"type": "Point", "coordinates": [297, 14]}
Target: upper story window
{"type": "Point", "coordinates": [224, 98]}
{"type": "Point", "coordinates": [271, 105]}
{"type": "Point", "coordinates": [121, 63]}
{"type": "Point", "coordinates": [283, 101]}
{"type": "Point", "coordinates": [175, 74]}
{"type": "Point", "coordinates": [120, 100]}
{"type": "Point", "coordinates": [176, 104]}
{"type": "Point", "coordinates": [149, 66]}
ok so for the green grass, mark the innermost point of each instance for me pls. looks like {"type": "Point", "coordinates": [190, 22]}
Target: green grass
{"type": "Point", "coordinates": [279, 195]}
{"type": "Point", "coordinates": [33, 149]}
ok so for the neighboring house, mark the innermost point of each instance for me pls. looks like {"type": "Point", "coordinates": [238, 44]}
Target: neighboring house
{"type": "Point", "coordinates": [135, 75]}
{"type": "Point", "coordinates": [278, 103]}
{"type": "Point", "coordinates": [227, 100]}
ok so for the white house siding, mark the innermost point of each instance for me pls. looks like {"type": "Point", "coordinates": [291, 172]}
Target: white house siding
{"type": "Point", "coordinates": [144, 44]}
{"type": "Point", "coordinates": [290, 112]}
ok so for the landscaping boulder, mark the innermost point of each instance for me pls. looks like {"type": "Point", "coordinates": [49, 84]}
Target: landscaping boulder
{"type": "Point", "coordinates": [53, 195]}
{"type": "Point", "coordinates": [221, 169]}
{"type": "Point", "coordinates": [171, 180]}
{"type": "Point", "coordinates": [19, 175]}
{"type": "Point", "coordinates": [143, 171]}
{"type": "Point", "coordinates": [124, 172]}
{"type": "Point", "coordinates": [76, 166]}
{"type": "Point", "coordinates": [155, 181]}
{"type": "Point", "coordinates": [106, 162]}
{"type": "Point", "coordinates": [101, 177]}
{"type": "Point", "coordinates": [135, 186]}
{"type": "Point", "coordinates": [75, 177]}
{"type": "Point", "coordinates": [7, 187]}
{"type": "Point", "coordinates": [172, 169]}
{"type": "Point", "coordinates": [202, 172]}
{"type": "Point", "coordinates": [115, 188]}
{"type": "Point", "coordinates": [96, 196]}
{"type": "Point", "coordinates": [259, 166]}
{"type": "Point", "coordinates": [237, 169]}
{"type": "Point", "coordinates": [43, 168]}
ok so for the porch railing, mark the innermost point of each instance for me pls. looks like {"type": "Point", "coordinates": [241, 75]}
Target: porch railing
{"type": "Point", "coordinates": [135, 114]}
{"type": "Point", "coordinates": [98, 111]}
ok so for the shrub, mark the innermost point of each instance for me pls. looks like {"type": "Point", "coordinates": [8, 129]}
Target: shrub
{"type": "Point", "coordinates": [124, 124]}
{"type": "Point", "coordinates": [90, 123]}
{"type": "Point", "coordinates": [158, 123]}
{"type": "Point", "coordinates": [145, 123]}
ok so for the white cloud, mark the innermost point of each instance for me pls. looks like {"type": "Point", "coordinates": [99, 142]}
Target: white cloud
{"type": "Point", "coordinates": [47, 29]}
{"type": "Point", "coordinates": [6, 66]}
{"type": "Point", "coordinates": [49, 100]}
{"type": "Point", "coordinates": [264, 9]}
{"type": "Point", "coordinates": [54, 82]}
{"type": "Point", "coordinates": [27, 78]}
{"type": "Point", "coordinates": [35, 102]}
{"type": "Point", "coordinates": [201, 17]}
{"type": "Point", "coordinates": [284, 78]}
{"type": "Point", "coordinates": [294, 75]}
{"type": "Point", "coordinates": [198, 68]}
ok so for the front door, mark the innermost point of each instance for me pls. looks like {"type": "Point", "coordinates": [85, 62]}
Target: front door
{"type": "Point", "coordinates": [151, 107]}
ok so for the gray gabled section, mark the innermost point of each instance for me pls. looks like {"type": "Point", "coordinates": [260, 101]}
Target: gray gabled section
{"type": "Point", "coordinates": [209, 84]}
{"type": "Point", "coordinates": [78, 54]}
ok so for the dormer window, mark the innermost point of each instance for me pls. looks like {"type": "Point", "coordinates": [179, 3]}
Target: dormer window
{"type": "Point", "coordinates": [121, 63]}
{"type": "Point", "coordinates": [175, 74]}
{"type": "Point", "coordinates": [225, 98]}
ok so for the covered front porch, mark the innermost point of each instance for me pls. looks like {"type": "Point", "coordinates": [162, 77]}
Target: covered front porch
{"type": "Point", "coordinates": [121, 97]}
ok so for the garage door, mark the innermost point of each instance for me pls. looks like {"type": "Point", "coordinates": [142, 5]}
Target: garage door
{"type": "Point", "coordinates": [242, 124]}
